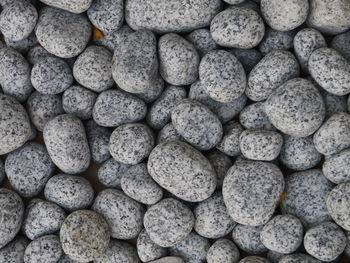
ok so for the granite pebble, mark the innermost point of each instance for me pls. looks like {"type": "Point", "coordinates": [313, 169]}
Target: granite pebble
{"type": "Point", "coordinates": [223, 251]}
{"type": "Point", "coordinates": [45, 249]}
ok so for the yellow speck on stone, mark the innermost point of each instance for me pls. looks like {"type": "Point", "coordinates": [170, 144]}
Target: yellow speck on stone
{"type": "Point", "coordinates": [113, 62]}
{"type": "Point", "coordinates": [98, 34]}
{"type": "Point", "coordinates": [283, 196]}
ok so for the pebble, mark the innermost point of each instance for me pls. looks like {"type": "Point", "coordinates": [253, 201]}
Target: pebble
{"type": "Point", "coordinates": [98, 138]}
{"type": "Point", "coordinates": [272, 71]}
{"type": "Point", "coordinates": [18, 19]}
{"type": "Point", "coordinates": [74, 6]}
{"type": "Point", "coordinates": [274, 256]}
{"type": "Point", "coordinates": [237, 27]}
{"type": "Point", "coordinates": [222, 76]}
{"type": "Point", "coordinates": [254, 259]}
{"type": "Point", "coordinates": [173, 16]}
{"type": "Point", "coordinates": [118, 251]}
{"type": "Point", "coordinates": [92, 69]}
{"type": "Point", "coordinates": [341, 44]}
{"type": "Point", "coordinates": [221, 163]}
{"type": "Point", "coordinates": [168, 222]}
{"type": "Point", "coordinates": [202, 40]}
{"type": "Point", "coordinates": [70, 192]}
{"type": "Point", "coordinates": [36, 53]}
{"type": "Point", "coordinates": [24, 45]}
{"type": "Point", "coordinates": [43, 107]}
{"type": "Point", "coordinates": [14, 251]}
{"type": "Point", "coordinates": [154, 91]}
{"type": "Point", "coordinates": [333, 103]}
{"type": "Point", "coordinates": [338, 204]}
{"type": "Point", "coordinates": [178, 60]}
{"type": "Point", "coordinates": [51, 75]}
{"type": "Point", "coordinates": [29, 168]}
{"type": "Point", "coordinates": [306, 193]}
{"type": "Point", "coordinates": [182, 170]}
{"type": "Point", "coordinates": [15, 125]}
{"type": "Point", "coordinates": [147, 250]}
{"type": "Point", "coordinates": [123, 214]}
{"type": "Point", "coordinates": [296, 108]}
{"type": "Point", "coordinates": [66, 259]}
{"type": "Point", "coordinates": [66, 143]}
{"type": "Point", "coordinates": [325, 241]}
{"type": "Point", "coordinates": [2, 171]}
{"type": "Point", "coordinates": [63, 34]}
{"type": "Point", "coordinates": [336, 167]}
{"type": "Point", "coordinates": [229, 143]}
{"type": "Point", "coordinates": [115, 107]}
{"type": "Point", "coordinates": [299, 153]}
{"type": "Point", "coordinates": [84, 235]}
{"type": "Point", "coordinates": [223, 251]}
{"type": "Point", "coordinates": [110, 173]}
{"type": "Point", "coordinates": [276, 40]}
{"type": "Point", "coordinates": [169, 133]}
{"type": "Point", "coordinates": [334, 134]}
{"type": "Point", "coordinates": [248, 57]}
{"type": "Point", "coordinates": [298, 258]}
{"type": "Point", "coordinates": [45, 249]}
{"type": "Point", "coordinates": [11, 214]}
{"type": "Point", "coordinates": [168, 260]}
{"type": "Point", "coordinates": [253, 116]}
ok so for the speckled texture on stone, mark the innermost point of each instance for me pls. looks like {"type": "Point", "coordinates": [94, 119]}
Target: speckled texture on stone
{"type": "Point", "coordinates": [24, 45]}
{"type": "Point", "coordinates": [169, 133]}
{"type": "Point", "coordinates": [159, 113]}
{"type": "Point", "coordinates": [45, 249]}
{"type": "Point", "coordinates": [98, 138]}
{"type": "Point", "coordinates": [237, 27]}
{"type": "Point", "coordinates": [224, 111]}
{"type": "Point", "coordinates": [79, 101]}
{"type": "Point", "coordinates": [330, 70]}
{"type": "Point", "coordinates": [325, 241]}
{"type": "Point", "coordinates": [74, 6]}
{"type": "Point", "coordinates": [298, 258]}
{"type": "Point", "coordinates": [118, 251]}
{"type": "Point", "coordinates": [168, 222]}
{"type": "Point", "coordinates": [254, 259]}
{"type": "Point", "coordinates": [70, 192]}
{"type": "Point", "coordinates": [14, 74]}
{"type": "Point", "coordinates": [147, 250]}
{"type": "Point", "coordinates": [334, 134]}
{"type": "Point", "coordinates": [135, 63]}
{"type": "Point", "coordinates": [14, 251]}
{"type": "Point", "coordinates": [305, 42]}
{"type": "Point", "coordinates": [111, 172]}
{"type": "Point", "coordinates": [246, 201]}
{"type": "Point", "coordinates": [36, 53]}
{"type": "Point", "coordinates": [296, 108]}
{"type": "Point", "coordinates": [284, 15]}
{"type": "Point", "coordinates": [131, 143]}
{"type": "Point", "coordinates": [168, 260]}
{"type": "Point", "coordinates": [223, 251]}
{"type": "Point", "coordinates": [248, 57]}
{"type": "Point", "coordinates": [222, 76]}
{"type": "Point", "coordinates": [341, 44]}
{"type": "Point", "coordinates": [336, 167]}
{"type": "Point", "coordinates": [338, 204]}
{"type": "Point", "coordinates": [66, 143]}
{"type": "Point", "coordinates": [273, 70]}
{"type": "Point", "coordinates": [170, 16]}
{"type": "Point", "coordinates": [306, 195]}
{"type": "Point", "coordinates": [11, 214]}
{"type": "Point", "coordinates": [115, 107]}
{"type": "Point", "coordinates": [153, 92]}
{"type": "Point", "coordinates": [229, 143]}
{"type": "Point", "coordinates": [197, 124]}
{"type": "Point", "coordinates": [329, 16]}
{"type": "Point", "coordinates": [333, 102]}
{"type": "Point", "coordinates": [260, 145]}
{"type": "Point", "coordinates": [51, 75]}
{"type": "Point", "coordinates": [299, 153]}
{"type": "Point", "coordinates": [62, 33]}
{"type": "Point", "coordinates": [193, 249]}
{"type": "Point", "coordinates": [273, 39]}
{"type": "Point", "coordinates": [178, 60]}
{"type": "Point", "coordinates": [84, 235]}
{"type": "Point", "coordinates": [29, 168]}
{"type": "Point", "coordinates": [43, 107]}
{"type": "Point", "coordinates": [2, 171]}
{"type": "Point", "coordinates": [274, 256]}
{"type": "Point", "coordinates": [283, 234]}
{"type": "Point", "coordinates": [212, 219]}
{"type": "Point", "coordinates": [66, 259]}
{"type": "Point", "coordinates": [92, 69]}
{"type": "Point", "coordinates": [18, 19]}
{"type": "Point", "coordinates": [42, 218]}
{"type": "Point", "coordinates": [182, 170]}
{"type": "Point", "coordinates": [15, 125]}
{"type": "Point", "coordinates": [202, 40]}
{"type": "Point", "coordinates": [123, 214]}
{"type": "Point", "coordinates": [253, 116]}
{"type": "Point", "coordinates": [221, 163]}
{"type": "Point", "coordinates": [234, 2]}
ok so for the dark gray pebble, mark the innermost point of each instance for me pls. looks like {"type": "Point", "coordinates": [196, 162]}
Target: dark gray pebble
{"type": "Point", "coordinates": [118, 251]}
{"type": "Point", "coordinates": [253, 116]}
{"type": "Point", "coordinates": [341, 44]}
{"type": "Point", "coordinates": [248, 57]}
{"type": "Point", "coordinates": [202, 40]}
{"type": "Point", "coordinates": [276, 40]}
{"type": "Point", "coordinates": [221, 163]}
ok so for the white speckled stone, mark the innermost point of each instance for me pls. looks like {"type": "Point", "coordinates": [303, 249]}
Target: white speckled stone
{"type": "Point", "coordinates": [111, 172]}
{"type": "Point", "coordinates": [273, 39]}
{"type": "Point", "coordinates": [153, 92]}
{"type": "Point", "coordinates": [336, 167]}
{"type": "Point", "coordinates": [14, 251]}
{"type": "Point", "coordinates": [237, 27]}
{"type": "Point", "coordinates": [202, 40]}
{"type": "Point", "coordinates": [147, 250]}
{"type": "Point", "coordinates": [298, 258]}
{"type": "Point", "coordinates": [74, 6]}
{"type": "Point", "coordinates": [325, 241]}
{"type": "Point", "coordinates": [182, 170]}
{"type": "Point", "coordinates": [223, 251]}
{"type": "Point", "coordinates": [169, 133]}
{"type": "Point", "coordinates": [45, 249]}
{"type": "Point", "coordinates": [229, 143]}
{"type": "Point", "coordinates": [118, 251]}
{"type": "Point", "coordinates": [341, 44]}
{"type": "Point", "coordinates": [246, 201]}
{"type": "Point", "coordinates": [254, 259]}
{"type": "Point", "coordinates": [253, 116]}
{"type": "Point", "coordinates": [221, 163]}
{"type": "Point", "coordinates": [222, 76]}
{"type": "Point", "coordinates": [247, 238]}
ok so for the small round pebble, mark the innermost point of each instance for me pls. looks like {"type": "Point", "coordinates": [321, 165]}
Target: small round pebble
{"type": "Point", "coordinates": [253, 116]}
{"type": "Point", "coordinates": [123, 214]}
{"type": "Point", "coordinates": [115, 107]}
{"type": "Point", "coordinates": [254, 259]}
{"type": "Point", "coordinates": [248, 57]}
{"type": "Point", "coordinates": [182, 170]}
{"type": "Point", "coordinates": [98, 138]}
{"type": "Point", "coordinates": [325, 241]}
{"type": "Point", "coordinates": [247, 238]}
{"type": "Point", "coordinates": [221, 163]}
{"type": "Point", "coordinates": [169, 133]}
{"type": "Point", "coordinates": [84, 235]}
{"type": "Point", "coordinates": [296, 108]}
{"type": "Point", "coordinates": [202, 40]}
{"type": "Point", "coordinates": [51, 75]}
{"type": "Point", "coordinates": [45, 249]}
{"type": "Point", "coordinates": [336, 167]}
{"type": "Point", "coordinates": [70, 192]}
{"type": "Point", "coordinates": [147, 250]}
{"type": "Point", "coordinates": [110, 173]}
{"type": "Point", "coordinates": [341, 44]}
{"type": "Point", "coordinates": [273, 40]}
{"type": "Point", "coordinates": [74, 6]}
{"type": "Point", "coordinates": [29, 168]}
{"type": "Point", "coordinates": [298, 258]}
{"type": "Point", "coordinates": [197, 124]}
{"type": "Point", "coordinates": [92, 69]}
{"type": "Point", "coordinates": [223, 251]}
{"type": "Point", "coordinates": [14, 251]}
{"type": "Point", "coordinates": [237, 27]}
{"type": "Point", "coordinates": [63, 34]}
{"type": "Point", "coordinates": [246, 201]}
{"type": "Point", "coordinates": [222, 76]}
{"type": "Point", "coordinates": [338, 204]}
{"type": "Point", "coordinates": [168, 222]}
{"type": "Point", "coordinates": [230, 141]}
{"type": "Point", "coordinates": [118, 251]}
